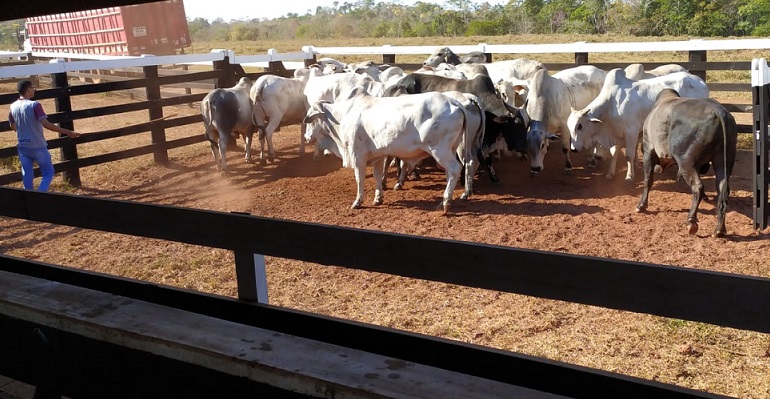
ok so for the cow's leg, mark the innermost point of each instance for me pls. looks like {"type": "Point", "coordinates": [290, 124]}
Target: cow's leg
{"type": "Point", "coordinates": [650, 161]}
{"type": "Point", "coordinates": [377, 173]}
{"type": "Point", "coordinates": [359, 169]}
{"type": "Point", "coordinates": [248, 138]}
{"type": "Point", "coordinates": [448, 161]}
{"type": "Point", "coordinates": [272, 125]}
{"type": "Point", "coordinates": [223, 140]}
{"type": "Point", "coordinates": [302, 129]}
{"type": "Point", "coordinates": [470, 166]}
{"type": "Point", "coordinates": [723, 192]}
{"type": "Point", "coordinates": [566, 150]}
{"type": "Point", "coordinates": [631, 158]}
{"type": "Point", "coordinates": [615, 152]}
{"type": "Point", "coordinates": [690, 176]}
{"type": "Point", "coordinates": [402, 168]}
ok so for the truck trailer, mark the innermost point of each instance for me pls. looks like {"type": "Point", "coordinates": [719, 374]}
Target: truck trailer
{"type": "Point", "coordinates": [158, 28]}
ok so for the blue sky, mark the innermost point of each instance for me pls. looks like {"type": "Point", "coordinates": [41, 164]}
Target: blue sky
{"type": "Point", "coordinates": [238, 9]}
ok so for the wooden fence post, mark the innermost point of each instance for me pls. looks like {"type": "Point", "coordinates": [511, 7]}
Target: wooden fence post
{"type": "Point", "coordinates": [160, 151]}
{"type": "Point", "coordinates": [761, 96]}
{"type": "Point", "coordinates": [251, 277]}
{"type": "Point", "coordinates": [310, 57]}
{"type": "Point", "coordinates": [581, 58]}
{"type": "Point", "coordinates": [225, 79]}
{"type": "Point", "coordinates": [698, 56]}
{"type": "Point", "coordinates": [69, 151]}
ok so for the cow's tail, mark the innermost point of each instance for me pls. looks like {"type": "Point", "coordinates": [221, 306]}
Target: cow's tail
{"type": "Point", "coordinates": [208, 121]}
{"type": "Point", "coordinates": [258, 112]}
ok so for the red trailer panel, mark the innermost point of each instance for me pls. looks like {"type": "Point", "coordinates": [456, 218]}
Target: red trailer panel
{"type": "Point", "coordinates": [151, 28]}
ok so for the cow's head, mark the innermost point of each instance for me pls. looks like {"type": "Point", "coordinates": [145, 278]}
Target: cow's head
{"type": "Point", "coordinates": [317, 120]}
{"type": "Point", "coordinates": [537, 147]}
{"type": "Point", "coordinates": [583, 128]}
{"type": "Point", "coordinates": [512, 92]}
{"type": "Point", "coordinates": [442, 54]}
{"type": "Point", "coordinates": [514, 129]}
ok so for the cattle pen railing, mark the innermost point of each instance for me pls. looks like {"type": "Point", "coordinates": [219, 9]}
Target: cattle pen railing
{"type": "Point", "coordinates": [760, 82]}
{"type": "Point", "coordinates": [78, 357]}
{"type": "Point", "coordinates": [227, 68]}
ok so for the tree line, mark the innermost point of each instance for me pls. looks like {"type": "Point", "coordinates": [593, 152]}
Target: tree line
{"type": "Point", "coordinates": [370, 19]}
{"type": "Point", "coordinates": [367, 19]}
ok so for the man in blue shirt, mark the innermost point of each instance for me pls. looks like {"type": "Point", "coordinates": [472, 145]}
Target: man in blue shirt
{"type": "Point", "coordinates": [28, 119]}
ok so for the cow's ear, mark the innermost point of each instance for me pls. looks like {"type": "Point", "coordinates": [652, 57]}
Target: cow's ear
{"type": "Point", "coordinates": [316, 110]}
{"type": "Point", "coordinates": [597, 120]}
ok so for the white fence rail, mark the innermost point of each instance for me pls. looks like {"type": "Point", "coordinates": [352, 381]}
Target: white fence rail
{"type": "Point", "coordinates": [81, 61]}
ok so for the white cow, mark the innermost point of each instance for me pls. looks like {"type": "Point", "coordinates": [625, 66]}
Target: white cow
{"type": "Point", "coordinates": [227, 113]}
{"type": "Point", "coordinates": [520, 68]}
{"type": "Point", "coordinates": [277, 101]}
{"type": "Point", "coordinates": [548, 105]}
{"type": "Point", "coordinates": [637, 72]}
{"type": "Point", "coordinates": [614, 119]}
{"type": "Point", "coordinates": [367, 129]}
{"type": "Point", "coordinates": [391, 75]}
{"type": "Point", "coordinates": [449, 73]}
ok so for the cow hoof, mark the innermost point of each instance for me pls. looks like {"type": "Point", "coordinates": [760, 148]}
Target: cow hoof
{"type": "Point", "coordinates": [692, 228]}
{"type": "Point", "coordinates": [533, 173]}
{"type": "Point", "coordinates": [641, 209]}
{"type": "Point", "coordinates": [629, 181]}
{"type": "Point", "coordinates": [356, 205]}
{"type": "Point", "coordinates": [658, 169]}
{"type": "Point", "coordinates": [609, 176]}
{"type": "Point", "coordinates": [446, 207]}
{"type": "Point", "coordinates": [398, 187]}
{"type": "Point", "coordinates": [377, 201]}
{"type": "Point", "coordinates": [262, 161]}
{"type": "Point", "coordinates": [465, 196]}
{"type": "Point", "coordinates": [718, 234]}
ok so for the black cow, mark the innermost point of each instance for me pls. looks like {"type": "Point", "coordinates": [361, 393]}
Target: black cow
{"type": "Point", "coordinates": [501, 132]}
{"type": "Point", "coordinates": [694, 132]}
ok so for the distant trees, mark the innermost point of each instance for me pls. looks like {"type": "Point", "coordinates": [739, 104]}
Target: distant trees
{"type": "Point", "coordinates": [370, 18]}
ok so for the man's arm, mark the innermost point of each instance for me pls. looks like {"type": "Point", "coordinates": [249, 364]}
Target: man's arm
{"type": "Point", "coordinates": [57, 129]}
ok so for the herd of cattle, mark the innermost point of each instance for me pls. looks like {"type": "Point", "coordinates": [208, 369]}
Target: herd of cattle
{"type": "Point", "coordinates": [459, 110]}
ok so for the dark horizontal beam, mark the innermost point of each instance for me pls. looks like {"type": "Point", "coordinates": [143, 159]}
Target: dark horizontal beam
{"type": "Point", "coordinates": [504, 366]}
{"type": "Point", "coordinates": [717, 298]}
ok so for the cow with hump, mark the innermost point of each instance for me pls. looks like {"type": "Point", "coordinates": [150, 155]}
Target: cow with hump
{"type": "Point", "coordinates": [614, 119]}
{"type": "Point", "coordinates": [505, 127]}
{"type": "Point", "coordinates": [227, 113]}
{"type": "Point", "coordinates": [367, 129]}
{"type": "Point", "coordinates": [549, 102]}
{"type": "Point", "coordinates": [693, 133]}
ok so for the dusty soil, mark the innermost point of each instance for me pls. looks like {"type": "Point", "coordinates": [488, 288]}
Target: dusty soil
{"type": "Point", "coordinates": [580, 213]}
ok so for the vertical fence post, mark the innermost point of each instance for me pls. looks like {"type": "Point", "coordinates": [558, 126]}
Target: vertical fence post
{"type": "Point", "coordinates": [69, 151]}
{"type": "Point", "coordinates": [698, 56]}
{"type": "Point", "coordinates": [251, 276]}
{"type": "Point", "coordinates": [276, 66]}
{"type": "Point", "coordinates": [309, 56]}
{"type": "Point", "coordinates": [487, 55]}
{"type": "Point", "coordinates": [225, 79]}
{"type": "Point", "coordinates": [160, 152]}
{"type": "Point", "coordinates": [760, 82]}
{"type": "Point", "coordinates": [581, 58]}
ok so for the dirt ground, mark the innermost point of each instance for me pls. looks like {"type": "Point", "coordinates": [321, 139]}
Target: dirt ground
{"type": "Point", "coordinates": [577, 213]}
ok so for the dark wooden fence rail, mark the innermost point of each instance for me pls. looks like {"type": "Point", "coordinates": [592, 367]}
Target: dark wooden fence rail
{"type": "Point", "coordinates": [226, 74]}
{"type": "Point", "coordinates": [717, 298]}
